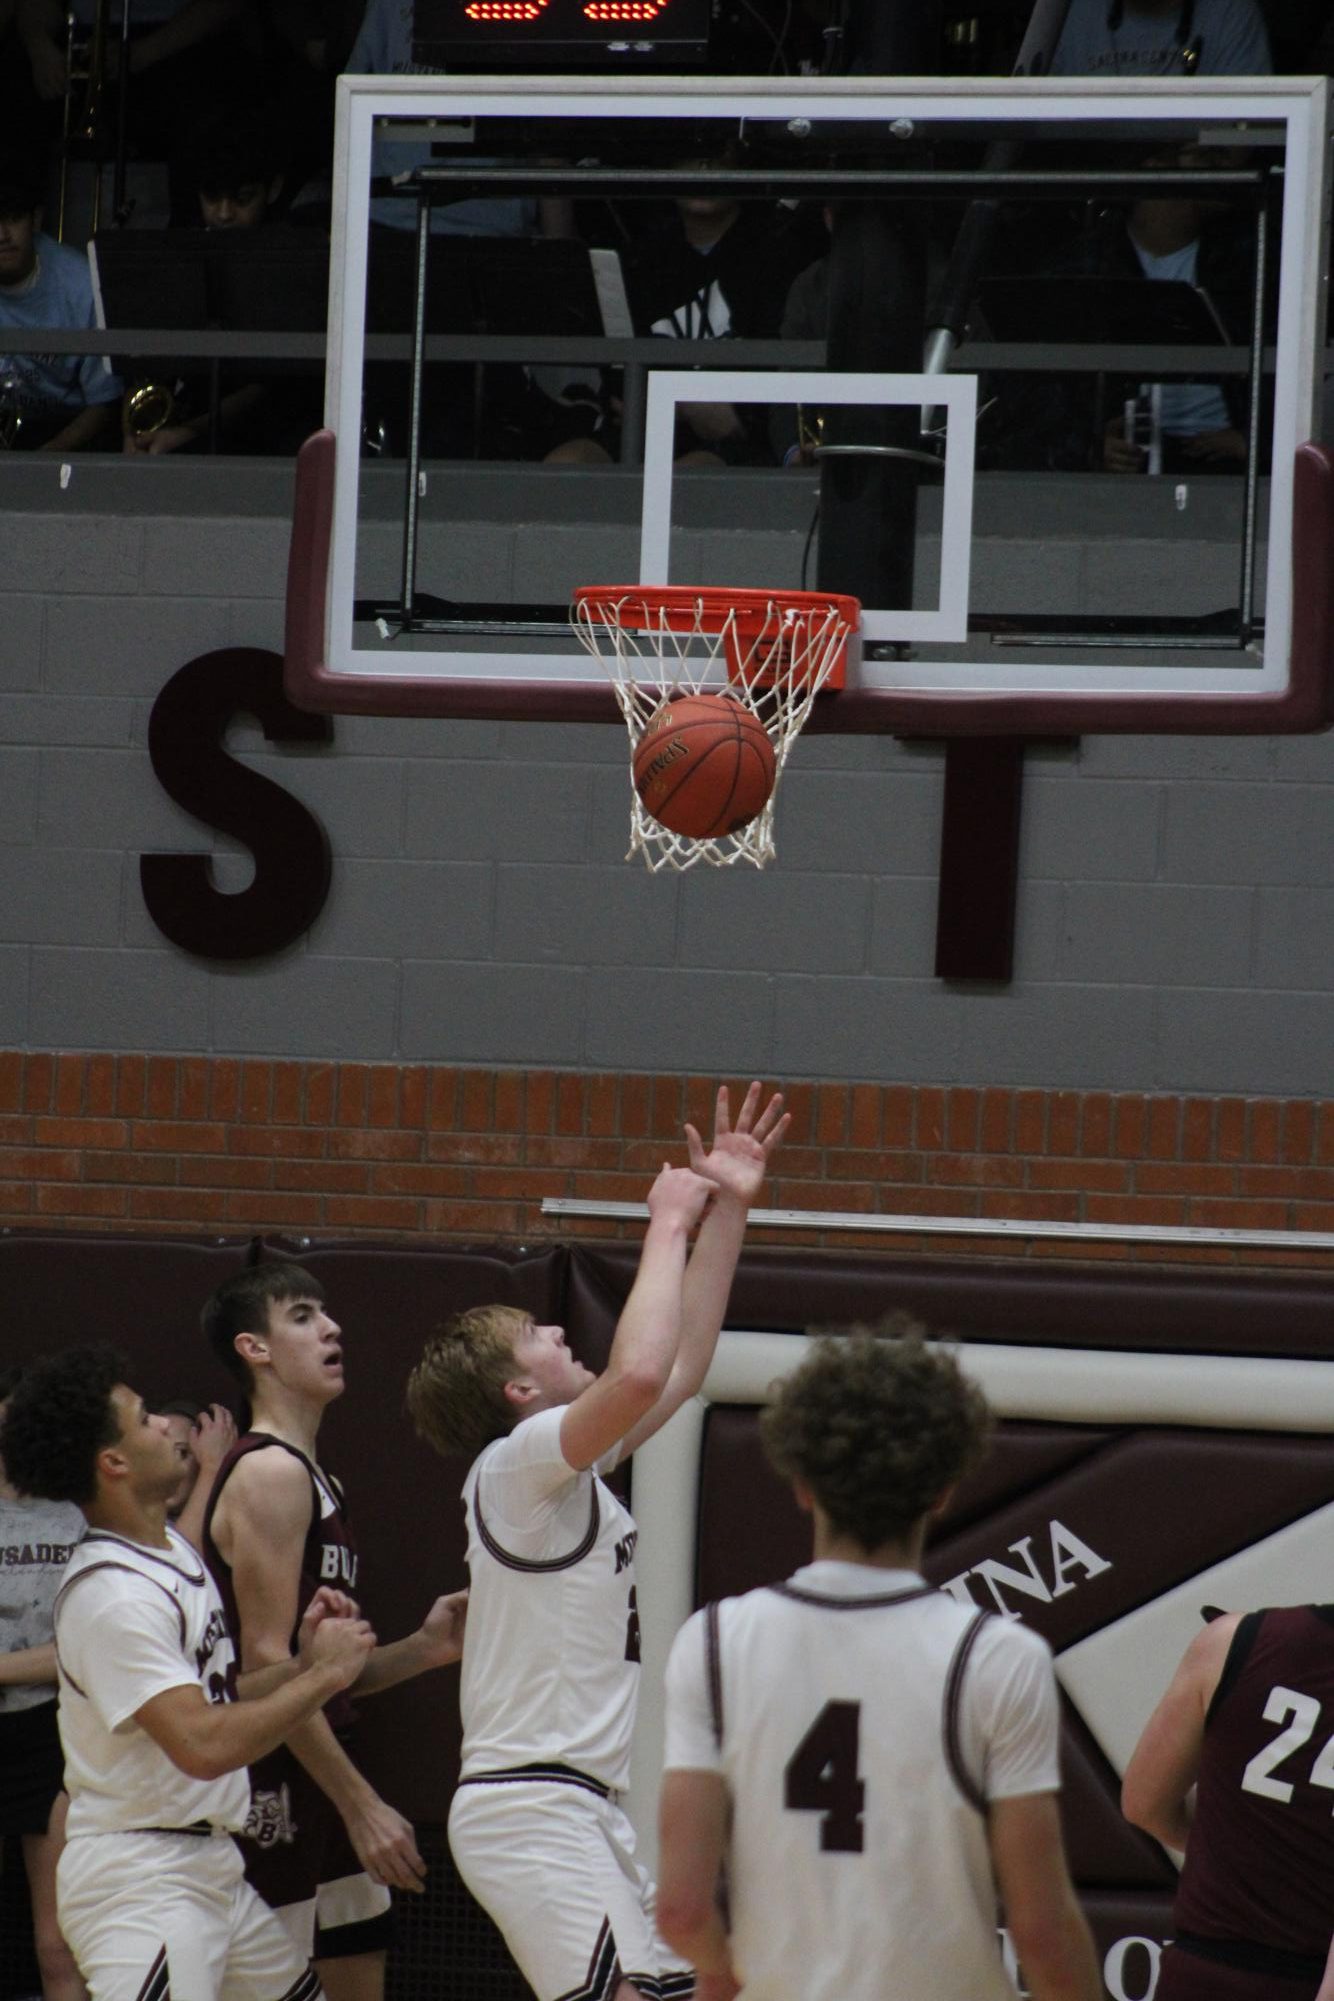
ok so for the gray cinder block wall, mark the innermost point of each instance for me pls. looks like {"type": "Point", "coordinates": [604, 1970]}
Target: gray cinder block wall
{"type": "Point", "coordinates": [1176, 906]}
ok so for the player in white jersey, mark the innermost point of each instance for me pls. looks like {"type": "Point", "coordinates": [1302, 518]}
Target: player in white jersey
{"type": "Point", "coordinates": [873, 1765]}
{"type": "Point", "coordinates": [551, 1649]}
{"type": "Point", "coordinates": [150, 1890]}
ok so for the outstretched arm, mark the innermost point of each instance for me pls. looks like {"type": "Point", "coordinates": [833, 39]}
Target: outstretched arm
{"type": "Point", "coordinates": [437, 1642]}
{"type": "Point", "coordinates": [207, 1739]}
{"type": "Point", "coordinates": [648, 1332]}
{"type": "Point", "coordinates": [1156, 1793]}
{"type": "Point", "coordinates": [735, 1167]}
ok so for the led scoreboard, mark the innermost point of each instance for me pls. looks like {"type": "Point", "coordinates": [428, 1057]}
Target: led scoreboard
{"type": "Point", "coordinates": [558, 34]}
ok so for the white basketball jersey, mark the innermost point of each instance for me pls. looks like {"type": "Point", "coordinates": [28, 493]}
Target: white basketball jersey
{"type": "Point", "coordinates": [551, 1648]}
{"type": "Point", "coordinates": [132, 1622]}
{"type": "Point", "coordinates": [862, 1720]}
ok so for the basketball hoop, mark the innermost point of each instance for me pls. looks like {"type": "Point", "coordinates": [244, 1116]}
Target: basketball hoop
{"type": "Point", "coordinates": [773, 651]}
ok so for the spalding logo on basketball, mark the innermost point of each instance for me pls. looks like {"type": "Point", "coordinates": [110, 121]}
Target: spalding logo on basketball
{"type": "Point", "coordinates": [704, 766]}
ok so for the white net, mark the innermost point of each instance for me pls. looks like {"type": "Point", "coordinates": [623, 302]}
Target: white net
{"type": "Point", "coordinates": [774, 654]}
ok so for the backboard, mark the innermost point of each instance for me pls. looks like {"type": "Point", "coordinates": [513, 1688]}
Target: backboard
{"type": "Point", "coordinates": [1043, 593]}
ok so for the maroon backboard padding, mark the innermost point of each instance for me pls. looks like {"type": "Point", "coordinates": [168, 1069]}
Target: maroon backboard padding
{"type": "Point", "coordinates": [1307, 703]}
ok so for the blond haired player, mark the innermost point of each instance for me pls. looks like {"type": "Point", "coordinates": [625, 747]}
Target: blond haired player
{"type": "Point", "coordinates": [151, 1896]}
{"type": "Point", "coordinates": [551, 1652]}
{"type": "Point", "coordinates": [874, 1764]}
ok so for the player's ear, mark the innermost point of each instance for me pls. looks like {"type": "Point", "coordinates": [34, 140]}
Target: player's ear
{"type": "Point", "coordinates": [519, 1392]}
{"type": "Point", "coordinates": [941, 1502]}
{"type": "Point", "coordinates": [111, 1462]}
{"type": "Point", "coordinates": [803, 1497]}
{"type": "Point", "coordinates": [252, 1348]}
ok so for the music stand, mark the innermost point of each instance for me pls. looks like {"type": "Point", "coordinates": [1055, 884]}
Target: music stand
{"type": "Point", "coordinates": [269, 280]}
{"type": "Point", "coordinates": [1159, 312]}
{"type": "Point", "coordinates": [492, 285]}
{"type": "Point", "coordinates": [495, 285]}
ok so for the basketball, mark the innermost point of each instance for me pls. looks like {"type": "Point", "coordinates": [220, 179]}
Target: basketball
{"type": "Point", "coordinates": [704, 765]}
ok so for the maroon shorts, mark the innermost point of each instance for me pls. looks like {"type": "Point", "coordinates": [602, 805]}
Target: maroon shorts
{"type": "Point", "coordinates": [298, 1856]}
{"type": "Point", "coordinates": [1187, 1976]}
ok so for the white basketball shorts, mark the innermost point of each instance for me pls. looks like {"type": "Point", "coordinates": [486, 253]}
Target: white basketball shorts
{"type": "Point", "coordinates": [553, 1863]}
{"type": "Point", "coordinates": [170, 1917]}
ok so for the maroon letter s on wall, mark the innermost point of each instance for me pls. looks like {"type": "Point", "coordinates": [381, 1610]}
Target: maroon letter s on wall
{"type": "Point", "coordinates": [290, 847]}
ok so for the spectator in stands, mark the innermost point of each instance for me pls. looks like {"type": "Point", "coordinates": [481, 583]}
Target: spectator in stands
{"type": "Point", "coordinates": [716, 269]}
{"type": "Point", "coordinates": [1037, 423]}
{"type": "Point", "coordinates": [36, 1538]}
{"type": "Point", "coordinates": [1138, 38]}
{"type": "Point", "coordinates": [1182, 239]}
{"type": "Point", "coordinates": [188, 60]}
{"type": "Point", "coordinates": [48, 402]}
{"type": "Point", "coordinates": [514, 413]}
{"type": "Point", "coordinates": [384, 48]}
{"type": "Point", "coordinates": [236, 174]}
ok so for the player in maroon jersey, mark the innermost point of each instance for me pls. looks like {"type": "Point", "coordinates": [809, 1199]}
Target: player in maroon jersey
{"type": "Point", "coordinates": [322, 1847]}
{"type": "Point", "coordinates": [1236, 1767]}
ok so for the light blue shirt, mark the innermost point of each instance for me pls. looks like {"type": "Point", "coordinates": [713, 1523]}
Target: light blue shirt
{"type": "Point", "coordinates": [1189, 408]}
{"type": "Point", "coordinates": [1229, 36]}
{"type": "Point", "coordinates": [60, 295]}
{"type": "Point", "coordinates": [384, 48]}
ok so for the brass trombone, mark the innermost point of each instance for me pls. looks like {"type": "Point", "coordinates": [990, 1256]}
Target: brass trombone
{"type": "Point", "coordinates": [88, 130]}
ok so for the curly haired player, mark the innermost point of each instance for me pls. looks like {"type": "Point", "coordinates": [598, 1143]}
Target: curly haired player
{"type": "Point", "coordinates": [150, 1889]}
{"type": "Point", "coordinates": [551, 1653]}
{"type": "Point", "coordinates": [873, 1764]}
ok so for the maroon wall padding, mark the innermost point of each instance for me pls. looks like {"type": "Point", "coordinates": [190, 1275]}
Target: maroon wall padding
{"type": "Point", "coordinates": [66, 1290]}
{"type": "Point", "coordinates": [1217, 1312]}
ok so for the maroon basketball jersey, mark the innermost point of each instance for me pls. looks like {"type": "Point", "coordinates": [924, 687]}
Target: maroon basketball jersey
{"type": "Point", "coordinates": [1261, 1856]}
{"type": "Point", "coordinates": [329, 1556]}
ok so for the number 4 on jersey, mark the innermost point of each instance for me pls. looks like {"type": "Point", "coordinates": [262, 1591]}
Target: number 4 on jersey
{"type": "Point", "coordinates": [821, 1777]}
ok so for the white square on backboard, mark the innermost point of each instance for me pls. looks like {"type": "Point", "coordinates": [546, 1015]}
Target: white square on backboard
{"type": "Point", "coordinates": [955, 394]}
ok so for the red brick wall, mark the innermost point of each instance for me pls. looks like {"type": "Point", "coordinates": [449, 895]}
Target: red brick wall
{"type": "Point", "coordinates": [208, 1143]}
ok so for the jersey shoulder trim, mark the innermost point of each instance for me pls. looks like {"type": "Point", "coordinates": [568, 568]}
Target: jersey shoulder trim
{"type": "Point", "coordinates": [532, 1563]}
{"type": "Point", "coordinates": [828, 1602]}
{"type": "Point", "coordinates": [1243, 1641]}
{"type": "Point", "coordinates": [951, 1709]}
{"type": "Point", "coordinates": [141, 1552]}
{"type": "Point", "coordinates": [713, 1668]}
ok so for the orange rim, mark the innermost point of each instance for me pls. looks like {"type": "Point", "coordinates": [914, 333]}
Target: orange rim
{"type": "Point", "coordinates": [644, 605]}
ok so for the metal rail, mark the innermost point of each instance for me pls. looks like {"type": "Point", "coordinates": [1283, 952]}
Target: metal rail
{"type": "Point", "coordinates": [1002, 357]}
{"type": "Point", "coordinates": [976, 1226]}
{"type": "Point", "coordinates": [827, 183]}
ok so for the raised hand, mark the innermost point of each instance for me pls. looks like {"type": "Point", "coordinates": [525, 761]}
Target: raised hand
{"type": "Point", "coordinates": [679, 1192]}
{"type": "Point", "coordinates": [212, 1437]}
{"type": "Point", "coordinates": [737, 1159]}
